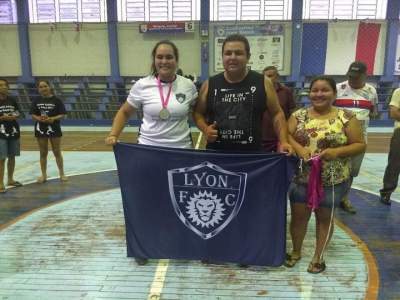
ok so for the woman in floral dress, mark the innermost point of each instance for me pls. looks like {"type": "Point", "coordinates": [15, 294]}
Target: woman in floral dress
{"type": "Point", "coordinates": [331, 135]}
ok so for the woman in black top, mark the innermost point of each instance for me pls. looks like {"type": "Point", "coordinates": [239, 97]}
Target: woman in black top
{"type": "Point", "coordinates": [47, 110]}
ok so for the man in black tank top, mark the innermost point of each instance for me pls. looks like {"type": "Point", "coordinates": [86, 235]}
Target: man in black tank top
{"type": "Point", "coordinates": [231, 104]}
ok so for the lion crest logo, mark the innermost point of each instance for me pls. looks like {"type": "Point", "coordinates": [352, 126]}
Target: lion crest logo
{"type": "Point", "coordinates": [205, 209]}
{"type": "Point", "coordinates": [206, 197]}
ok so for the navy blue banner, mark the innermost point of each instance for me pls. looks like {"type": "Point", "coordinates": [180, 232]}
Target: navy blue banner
{"type": "Point", "coordinates": [194, 204]}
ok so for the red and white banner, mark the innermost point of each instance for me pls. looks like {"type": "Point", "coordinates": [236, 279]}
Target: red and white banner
{"type": "Point", "coordinates": [350, 41]}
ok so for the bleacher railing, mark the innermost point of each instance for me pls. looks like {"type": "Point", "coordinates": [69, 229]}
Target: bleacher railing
{"type": "Point", "coordinates": [99, 102]}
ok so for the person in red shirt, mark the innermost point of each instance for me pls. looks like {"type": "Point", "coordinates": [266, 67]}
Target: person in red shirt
{"type": "Point", "coordinates": [285, 95]}
{"type": "Point", "coordinates": [356, 95]}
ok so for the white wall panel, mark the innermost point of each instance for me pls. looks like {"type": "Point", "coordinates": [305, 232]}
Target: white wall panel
{"type": "Point", "coordinates": [65, 50]}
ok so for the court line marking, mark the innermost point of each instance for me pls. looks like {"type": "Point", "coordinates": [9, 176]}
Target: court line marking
{"type": "Point", "coordinates": [373, 274]}
{"type": "Point", "coordinates": [159, 278]}
{"type": "Point", "coordinates": [157, 285]}
{"type": "Point", "coordinates": [68, 175]}
{"type": "Point", "coordinates": [359, 188]}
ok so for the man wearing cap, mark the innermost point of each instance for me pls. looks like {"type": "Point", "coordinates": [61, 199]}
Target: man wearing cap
{"type": "Point", "coordinates": [391, 177]}
{"type": "Point", "coordinates": [361, 98]}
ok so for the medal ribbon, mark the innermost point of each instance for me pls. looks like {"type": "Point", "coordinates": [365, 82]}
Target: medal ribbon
{"type": "Point", "coordinates": [164, 101]}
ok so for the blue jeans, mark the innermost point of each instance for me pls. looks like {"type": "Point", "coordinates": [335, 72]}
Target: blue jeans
{"type": "Point", "coordinates": [333, 194]}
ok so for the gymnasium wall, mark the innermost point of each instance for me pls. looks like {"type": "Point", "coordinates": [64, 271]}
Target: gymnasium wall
{"type": "Point", "coordinates": [135, 50]}
{"type": "Point", "coordinates": [67, 50]}
{"type": "Point", "coordinates": [10, 60]}
{"type": "Point", "coordinates": [63, 49]}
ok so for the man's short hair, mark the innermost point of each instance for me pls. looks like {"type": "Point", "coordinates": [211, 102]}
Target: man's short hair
{"type": "Point", "coordinates": [237, 38]}
{"type": "Point", "coordinates": [357, 68]}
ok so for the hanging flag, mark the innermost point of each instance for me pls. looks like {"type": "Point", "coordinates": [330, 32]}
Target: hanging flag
{"type": "Point", "coordinates": [330, 47]}
{"type": "Point", "coordinates": [367, 42]}
{"type": "Point", "coordinates": [313, 52]}
{"type": "Point", "coordinates": [193, 204]}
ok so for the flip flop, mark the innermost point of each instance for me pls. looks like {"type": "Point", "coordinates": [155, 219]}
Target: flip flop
{"type": "Point", "coordinates": [316, 267]}
{"type": "Point", "coordinates": [63, 178]}
{"type": "Point", "coordinates": [15, 184]}
{"type": "Point", "coordinates": [41, 179]}
{"type": "Point", "coordinates": [290, 260]}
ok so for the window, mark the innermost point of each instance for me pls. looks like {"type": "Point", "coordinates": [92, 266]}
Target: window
{"type": "Point", "coordinates": [344, 9]}
{"type": "Point", "coordinates": [223, 10]}
{"type": "Point", "coordinates": [158, 10]}
{"type": "Point", "coordinates": [8, 12]}
{"type": "Point", "coordinates": [52, 11]}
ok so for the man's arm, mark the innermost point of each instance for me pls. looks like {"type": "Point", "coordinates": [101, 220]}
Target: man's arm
{"type": "Point", "coordinates": [394, 113]}
{"type": "Point", "coordinates": [278, 117]}
{"type": "Point", "coordinates": [199, 115]}
{"type": "Point", "coordinates": [374, 100]}
{"type": "Point", "coordinates": [394, 106]}
{"type": "Point", "coordinates": [291, 103]}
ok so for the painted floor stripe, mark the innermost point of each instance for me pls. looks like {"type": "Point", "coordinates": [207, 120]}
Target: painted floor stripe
{"type": "Point", "coordinates": [159, 279]}
{"type": "Point", "coordinates": [373, 273]}
{"type": "Point", "coordinates": [363, 189]}
{"type": "Point", "coordinates": [199, 140]}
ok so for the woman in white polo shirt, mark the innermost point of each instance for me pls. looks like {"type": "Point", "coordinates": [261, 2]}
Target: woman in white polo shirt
{"type": "Point", "coordinates": [165, 99]}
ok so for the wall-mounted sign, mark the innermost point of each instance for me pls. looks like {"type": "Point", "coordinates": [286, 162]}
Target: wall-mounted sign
{"type": "Point", "coordinates": [166, 27]}
{"type": "Point", "coordinates": [266, 44]}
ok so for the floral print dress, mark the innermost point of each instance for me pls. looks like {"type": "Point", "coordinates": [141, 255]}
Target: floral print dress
{"type": "Point", "coordinates": [319, 134]}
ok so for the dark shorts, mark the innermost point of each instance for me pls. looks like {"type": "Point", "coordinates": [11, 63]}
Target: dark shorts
{"type": "Point", "coordinates": [298, 194]}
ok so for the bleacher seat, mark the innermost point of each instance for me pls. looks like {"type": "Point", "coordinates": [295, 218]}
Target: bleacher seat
{"type": "Point", "coordinates": [90, 99]}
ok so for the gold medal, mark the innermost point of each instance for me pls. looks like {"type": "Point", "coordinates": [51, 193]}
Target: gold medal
{"type": "Point", "coordinates": [164, 114]}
